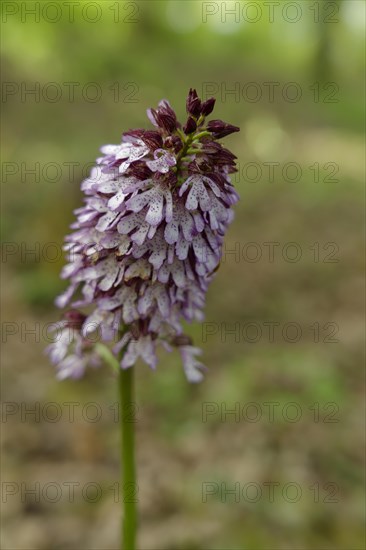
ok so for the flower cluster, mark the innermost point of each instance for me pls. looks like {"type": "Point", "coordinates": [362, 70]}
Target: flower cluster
{"type": "Point", "coordinates": [148, 240]}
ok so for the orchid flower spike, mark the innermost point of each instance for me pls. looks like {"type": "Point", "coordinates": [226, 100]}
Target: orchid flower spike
{"type": "Point", "coordinates": [147, 242]}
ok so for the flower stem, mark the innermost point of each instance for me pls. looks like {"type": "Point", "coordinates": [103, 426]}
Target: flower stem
{"type": "Point", "coordinates": [202, 134]}
{"type": "Point", "coordinates": [129, 488]}
{"type": "Point", "coordinates": [186, 143]}
{"type": "Point", "coordinates": [105, 353]}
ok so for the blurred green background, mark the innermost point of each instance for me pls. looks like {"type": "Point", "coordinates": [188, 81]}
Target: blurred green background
{"type": "Point", "coordinates": [120, 58]}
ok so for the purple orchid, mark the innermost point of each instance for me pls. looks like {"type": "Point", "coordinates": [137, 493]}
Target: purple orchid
{"type": "Point", "coordinates": [147, 241]}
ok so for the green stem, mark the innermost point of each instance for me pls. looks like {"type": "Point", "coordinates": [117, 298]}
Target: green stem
{"type": "Point", "coordinates": [202, 134]}
{"type": "Point", "coordinates": [187, 141]}
{"type": "Point", "coordinates": [128, 472]}
{"type": "Point", "coordinates": [183, 152]}
{"type": "Point", "coordinates": [105, 353]}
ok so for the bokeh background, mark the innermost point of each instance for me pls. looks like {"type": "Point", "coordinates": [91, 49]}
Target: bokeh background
{"type": "Point", "coordinates": [123, 57]}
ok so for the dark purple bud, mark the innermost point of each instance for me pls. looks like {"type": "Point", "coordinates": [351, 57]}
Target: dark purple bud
{"type": "Point", "coordinates": [177, 144]}
{"type": "Point", "coordinates": [173, 141]}
{"type": "Point", "coordinates": [139, 170]}
{"type": "Point", "coordinates": [221, 129]}
{"type": "Point", "coordinates": [190, 126]}
{"type": "Point", "coordinates": [219, 154]}
{"type": "Point", "coordinates": [209, 146]}
{"type": "Point", "coordinates": [193, 167]}
{"type": "Point", "coordinates": [164, 107]}
{"type": "Point", "coordinates": [204, 164]}
{"type": "Point", "coordinates": [193, 104]}
{"type": "Point", "coordinates": [152, 139]}
{"type": "Point", "coordinates": [168, 142]}
{"type": "Point", "coordinates": [200, 165]}
{"type": "Point", "coordinates": [74, 318]}
{"type": "Point", "coordinates": [208, 106]}
{"type": "Point", "coordinates": [218, 178]}
{"type": "Point", "coordinates": [166, 117]}
{"type": "Point", "coordinates": [167, 122]}
{"type": "Point", "coordinates": [137, 133]}
{"type": "Point", "coordinates": [232, 169]}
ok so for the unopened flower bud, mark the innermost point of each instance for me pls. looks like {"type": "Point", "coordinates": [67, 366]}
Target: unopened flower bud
{"type": "Point", "coordinates": [193, 104]}
{"type": "Point", "coordinates": [221, 129]}
{"type": "Point", "coordinates": [190, 126]}
{"type": "Point", "coordinates": [208, 106]}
